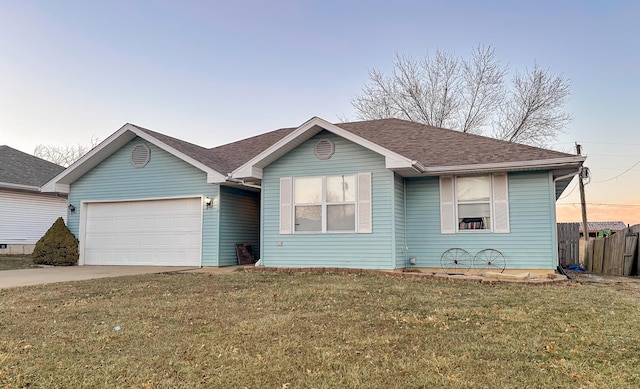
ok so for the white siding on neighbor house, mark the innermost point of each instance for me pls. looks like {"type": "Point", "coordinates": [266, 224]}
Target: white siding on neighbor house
{"type": "Point", "coordinates": [530, 243]}
{"type": "Point", "coordinates": [26, 216]}
{"type": "Point", "coordinates": [165, 176]}
{"type": "Point", "coordinates": [373, 250]}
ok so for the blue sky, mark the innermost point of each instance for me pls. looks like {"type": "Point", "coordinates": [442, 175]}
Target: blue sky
{"type": "Point", "coordinates": [212, 72]}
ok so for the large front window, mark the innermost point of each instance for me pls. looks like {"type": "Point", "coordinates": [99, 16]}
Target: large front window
{"type": "Point", "coordinates": [325, 204]}
{"type": "Point", "coordinates": [473, 199]}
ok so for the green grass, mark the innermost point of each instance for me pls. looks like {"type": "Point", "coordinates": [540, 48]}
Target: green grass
{"type": "Point", "coordinates": [280, 330]}
{"type": "Point", "coordinates": [13, 262]}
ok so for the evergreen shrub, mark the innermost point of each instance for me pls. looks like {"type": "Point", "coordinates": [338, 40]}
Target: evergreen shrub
{"type": "Point", "coordinates": [58, 246]}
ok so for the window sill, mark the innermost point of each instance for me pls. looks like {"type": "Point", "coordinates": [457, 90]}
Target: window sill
{"type": "Point", "coordinates": [323, 233]}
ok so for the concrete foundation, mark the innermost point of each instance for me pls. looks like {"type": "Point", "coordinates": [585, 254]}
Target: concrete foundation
{"type": "Point", "coordinates": [17, 249]}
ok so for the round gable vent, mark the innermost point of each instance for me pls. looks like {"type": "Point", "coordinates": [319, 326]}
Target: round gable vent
{"type": "Point", "coordinates": [140, 155]}
{"type": "Point", "coordinates": [324, 149]}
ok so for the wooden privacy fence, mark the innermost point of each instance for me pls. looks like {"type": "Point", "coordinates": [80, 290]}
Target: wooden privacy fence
{"type": "Point", "coordinates": [615, 255]}
{"type": "Point", "coordinates": [568, 244]}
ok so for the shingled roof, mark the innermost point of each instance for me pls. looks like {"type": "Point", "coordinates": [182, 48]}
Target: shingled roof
{"type": "Point", "coordinates": [22, 169]}
{"type": "Point", "coordinates": [201, 154]}
{"type": "Point", "coordinates": [237, 153]}
{"type": "Point", "coordinates": [430, 150]}
{"type": "Point", "coordinates": [434, 146]}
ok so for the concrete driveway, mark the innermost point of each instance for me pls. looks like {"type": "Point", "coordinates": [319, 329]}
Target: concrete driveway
{"type": "Point", "coordinates": [48, 275]}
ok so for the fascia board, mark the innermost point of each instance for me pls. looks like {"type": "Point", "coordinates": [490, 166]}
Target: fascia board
{"type": "Point", "coordinates": [213, 176]}
{"type": "Point", "coordinates": [248, 172]}
{"type": "Point", "coordinates": [302, 133]}
{"type": "Point", "coordinates": [28, 188]}
{"type": "Point", "coordinates": [60, 183]}
{"type": "Point", "coordinates": [115, 141]}
{"type": "Point", "coordinates": [555, 163]}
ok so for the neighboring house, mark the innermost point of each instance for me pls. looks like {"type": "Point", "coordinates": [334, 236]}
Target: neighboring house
{"type": "Point", "coordinates": [381, 194]}
{"type": "Point", "coordinates": [26, 213]}
{"type": "Point", "coordinates": [596, 227]}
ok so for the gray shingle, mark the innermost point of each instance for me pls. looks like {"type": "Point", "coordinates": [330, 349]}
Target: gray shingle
{"type": "Point", "coordinates": [432, 146]}
{"type": "Point", "coordinates": [21, 168]}
{"type": "Point", "coordinates": [200, 154]}
{"type": "Point", "coordinates": [435, 146]}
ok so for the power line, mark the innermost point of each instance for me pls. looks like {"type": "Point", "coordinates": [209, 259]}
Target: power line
{"type": "Point", "coordinates": [605, 204]}
{"type": "Point", "coordinates": [567, 195]}
{"type": "Point", "coordinates": [613, 178]}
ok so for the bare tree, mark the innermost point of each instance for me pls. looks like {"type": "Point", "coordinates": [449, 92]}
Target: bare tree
{"type": "Point", "coordinates": [534, 111]}
{"type": "Point", "coordinates": [66, 154]}
{"type": "Point", "coordinates": [424, 91]}
{"type": "Point", "coordinates": [483, 89]}
{"type": "Point", "coordinates": [468, 95]}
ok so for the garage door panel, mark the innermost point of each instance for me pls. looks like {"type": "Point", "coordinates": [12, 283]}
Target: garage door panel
{"type": "Point", "coordinates": [154, 232]}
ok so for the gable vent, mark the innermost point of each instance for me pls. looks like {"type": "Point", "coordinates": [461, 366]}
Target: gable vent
{"type": "Point", "coordinates": [324, 149]}
{"type": "Point", "coordinates": [140, 155]}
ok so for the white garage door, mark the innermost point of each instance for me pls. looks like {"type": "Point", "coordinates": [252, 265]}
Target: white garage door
{"type": "Point", "coordinates": [150, 233]}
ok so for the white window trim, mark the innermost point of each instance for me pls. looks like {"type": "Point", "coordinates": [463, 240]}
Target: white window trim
{"type": "Point", "coordinates": [489, 226]}
{"type": "Point", "coordinates": [323, 206]}
{"type": "Point", "coordinates": [362, 203]}
{"type": "Point", "coordinates": [449, 221]}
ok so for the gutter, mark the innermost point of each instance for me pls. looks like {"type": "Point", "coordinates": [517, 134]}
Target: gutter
{"type": "Point", "coordinates": [418, 166]}
{"type": "Point", "coordinates": [501, 166]}
{"type": "Point", "coordinates": [228, 178]}
{"type": "Point", "coordinates": [29, 188]}
{"type": "Point", "coordinates": [565, 176]}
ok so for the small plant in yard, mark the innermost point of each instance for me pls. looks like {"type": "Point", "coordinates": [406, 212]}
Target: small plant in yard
{"type": "Point", "coordinates": [58, 246]}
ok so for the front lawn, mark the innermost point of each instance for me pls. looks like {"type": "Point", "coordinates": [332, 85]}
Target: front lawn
{"type": "Point", "coordinates": [280, 330]}
{"type": "Point", "coordinates": [13, 262]}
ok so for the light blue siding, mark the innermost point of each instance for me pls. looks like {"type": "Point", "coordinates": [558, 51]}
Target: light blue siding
{"type": "Point", "coordinates": [239, 222]}
{"type": "Point", "coordinates": [373, 251]}
{"type": "Point", "coordinates": [400, 227]}
{"type": "Point", "coordinates": [164, 176]}
{"type": "Point", "coordinates": [529, 245]}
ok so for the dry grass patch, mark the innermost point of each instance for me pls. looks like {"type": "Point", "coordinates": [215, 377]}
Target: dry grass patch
{"type": "Point", "coordinates": [14, 262]}
{"type": "Point", "coordinates": [275, 330]}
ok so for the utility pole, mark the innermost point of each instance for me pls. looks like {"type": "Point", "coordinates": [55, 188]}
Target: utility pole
{"type": "Point", "coordinates": [583, 205]}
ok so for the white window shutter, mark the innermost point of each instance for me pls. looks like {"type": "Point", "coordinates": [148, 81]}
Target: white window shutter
{"type": "Point", "coordinates": [365, 225]}
{"type": "Point", "coordinates": [447, 206]}
{"type": "Point", "coordinates": [500, 203]}
{"type": "Point", "coordinates": [286, 206]}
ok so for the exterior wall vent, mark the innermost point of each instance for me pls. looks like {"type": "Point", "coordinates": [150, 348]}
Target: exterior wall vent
{"type": "Point", "coordinates": [324, 149]}
{"type": "Point", "coordinates": [140, 155]}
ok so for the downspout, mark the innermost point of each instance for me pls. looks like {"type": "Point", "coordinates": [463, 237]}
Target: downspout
{"type": "Point", "coordinates": [558, 267]}
{"type": "Point", "coordinates": [405, 249]}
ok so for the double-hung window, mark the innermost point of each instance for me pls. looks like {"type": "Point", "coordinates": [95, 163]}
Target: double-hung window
{"type": "Point", "coordinates": [473, 199]}
{"type": "Point", "coordinates": [339, 203]}
{"type": "Point", "coordinates": [474, 203]}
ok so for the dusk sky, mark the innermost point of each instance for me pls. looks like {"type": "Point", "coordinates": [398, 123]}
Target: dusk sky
{"type": "Point", "coordinates": [211, 72]}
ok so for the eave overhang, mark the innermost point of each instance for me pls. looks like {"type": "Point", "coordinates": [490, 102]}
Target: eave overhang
{"type": "Point", "coordinates": [113, 143]}
{"type": "Point", "coordinates": [253, 168]}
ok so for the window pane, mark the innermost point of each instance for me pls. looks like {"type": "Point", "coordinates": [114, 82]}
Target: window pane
{"type": "Point", "coordinates": [341, 217]}
{"type": "Point", "coordinates": [341, 189]}
{"type": "Point", "coordinates": [474, 216]}
{"type": "Point", "coordinates": [307, 190]}
{"type": "Point", "coordinates": [473, 188]}
{"type": "Point", "coordinates": [474, 210]}
{"type": "Point", "coordinates": [309, 218]}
